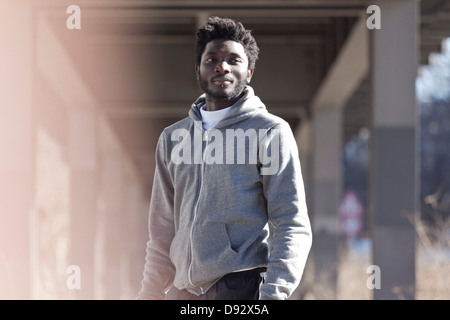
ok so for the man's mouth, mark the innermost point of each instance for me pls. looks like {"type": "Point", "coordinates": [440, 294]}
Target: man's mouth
{"type": "Point", "coordinates": [222, 82]}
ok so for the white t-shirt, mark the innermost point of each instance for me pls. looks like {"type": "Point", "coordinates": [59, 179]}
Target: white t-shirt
{"type": "Point", "coordinates": [211, 118]}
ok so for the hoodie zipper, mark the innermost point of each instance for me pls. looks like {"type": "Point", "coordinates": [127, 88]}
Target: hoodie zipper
{"type": "Point", "coordinates": [195, 211]}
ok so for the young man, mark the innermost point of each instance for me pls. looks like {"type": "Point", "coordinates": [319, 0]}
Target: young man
{"type": "Point", "coordinates": [228, 217]}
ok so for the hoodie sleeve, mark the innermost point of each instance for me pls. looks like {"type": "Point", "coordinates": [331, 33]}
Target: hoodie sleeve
{"type": "Point", "coordinates": [159, 270]}
{"type": "Point", "coordinates": [290, 237]}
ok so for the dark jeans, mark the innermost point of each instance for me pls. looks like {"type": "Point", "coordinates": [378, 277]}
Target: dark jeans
{"type": "Point", "coordinates": [243, 285]}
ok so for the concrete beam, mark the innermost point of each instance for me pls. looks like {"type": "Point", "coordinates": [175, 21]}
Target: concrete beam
{"type": "Point", "coordinates": [348, 70]}
{"type": "Point", "coordinates": [55, 65]}
{"type": "Point", "coordinates": [200, 4]}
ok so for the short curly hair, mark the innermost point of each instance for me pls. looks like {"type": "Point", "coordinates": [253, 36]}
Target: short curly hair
{"type": "Point", "coordinates": [226, 28]}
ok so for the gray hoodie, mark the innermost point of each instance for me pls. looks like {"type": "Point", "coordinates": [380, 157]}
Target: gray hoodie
{"type": "Point", "coordinates": [226, 200]}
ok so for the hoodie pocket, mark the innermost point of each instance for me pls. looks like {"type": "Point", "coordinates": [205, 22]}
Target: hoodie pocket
{"type": "Point", "coordinates": [226, 239]}
{"type": "Point", "coordinates": [211, 241]}
{"type": "Point", "coordinates": [213, 255]}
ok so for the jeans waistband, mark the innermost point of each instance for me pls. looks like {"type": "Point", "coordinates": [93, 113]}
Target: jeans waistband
{"type": "Point", "coordinates": [246, 273]}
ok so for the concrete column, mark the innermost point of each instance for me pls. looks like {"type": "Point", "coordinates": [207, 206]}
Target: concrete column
{"type": "Point", "coordinates": [121, 221]}
{"type": "Point", "coordinates": [63, 77]}
{"type": "Point", "coordinates": [394, 168]}
{"type": "Point", "coordinates": [113, 179]}
{"type": "Point", "coordinates": [132, 244]}
{"type": "Point", "coordinates": [325, 199]}
{"type": "Point", "coordinates": [83, 149]}
{"type": "Point", "coordinates": [344, 76]}
{"type": "Point", "coordinates": [16, 147]}
{"type": "Point", "coordinates": [110, 224]}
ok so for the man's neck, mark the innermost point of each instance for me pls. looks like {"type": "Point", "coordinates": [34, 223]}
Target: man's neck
{"type": "Point", "coordinates": [214, 104]}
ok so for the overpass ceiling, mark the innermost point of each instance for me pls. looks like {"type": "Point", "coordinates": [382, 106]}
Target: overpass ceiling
{"type": "Point", "coordinates": [137, 56]}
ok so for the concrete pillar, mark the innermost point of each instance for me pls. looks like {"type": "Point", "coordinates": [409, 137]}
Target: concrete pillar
{"type": "Point", "coordinates": [16, 147]}
{"type": "Point", "coordinates": [83, 158]}
{"type": "Point", "coordinates": [110, 224]}
{"type": "Point", "coordinates": [60, 73]}
{"type": "Point", "coordinates": [326, 194]}
{"type": "Point", "coordinates": [113, 177]}
{"type": "Point", "coordinates": [351, 64]}
{"type": "Point", "coordinates": [132, 244]}
{"type": "Point", "coordinates": [394, 167]}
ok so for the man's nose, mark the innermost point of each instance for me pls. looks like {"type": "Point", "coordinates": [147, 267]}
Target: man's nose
{"type": "Point", "coordinates": [223, 67]}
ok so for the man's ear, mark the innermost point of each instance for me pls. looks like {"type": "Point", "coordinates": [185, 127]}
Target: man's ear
{"type": "Point", "coordinates": [249, 75]}
{"type": "Point", "coordinates": [197, 71]}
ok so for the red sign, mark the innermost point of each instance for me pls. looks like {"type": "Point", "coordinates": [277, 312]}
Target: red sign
{"type": "Point", "coordinates": [350, 213]}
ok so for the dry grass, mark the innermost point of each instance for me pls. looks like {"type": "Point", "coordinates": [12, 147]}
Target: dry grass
{"type": "Point", "coordinates": [432, 265]}
{"type": "Point", "coordinates": [352, 276]}
{"type": "Point", "coordinates": [433, 260]}
{"type": "Point", "coordinates": [432, 268]}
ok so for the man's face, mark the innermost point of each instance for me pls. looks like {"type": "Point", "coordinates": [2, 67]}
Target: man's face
{"type": "Point", "coordinates": [223, 71]}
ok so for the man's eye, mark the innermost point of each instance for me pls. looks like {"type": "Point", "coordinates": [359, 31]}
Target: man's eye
{"type": "Point", "coordinates": [209, 60]}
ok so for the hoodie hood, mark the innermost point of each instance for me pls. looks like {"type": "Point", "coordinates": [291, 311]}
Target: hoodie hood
{"type": "Point", "coordinates": [246, 107]}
